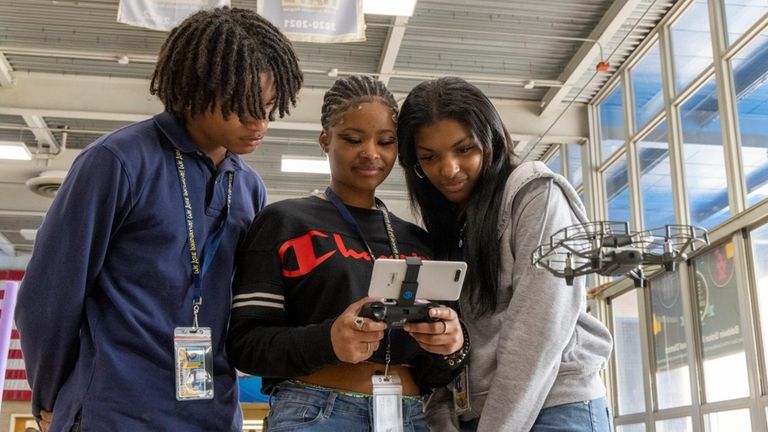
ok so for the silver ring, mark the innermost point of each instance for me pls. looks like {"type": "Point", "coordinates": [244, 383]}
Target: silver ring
{"type": "Point", "coordinates": [359, 322]}
{"type": "Point", "coordinates": [445, 327]}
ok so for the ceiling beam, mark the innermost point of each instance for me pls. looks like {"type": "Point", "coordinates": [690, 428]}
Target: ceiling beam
{"type": "Point", "coordinates": [47, 95]}
{"type": "Point", "coordinates": [41, 131]}
{"type": "Point", "coordinates": [391, 48]}
{"type": "Point", "coordinates": [6, 77]}
{"type": "Point", "coordinates": [601, 35]}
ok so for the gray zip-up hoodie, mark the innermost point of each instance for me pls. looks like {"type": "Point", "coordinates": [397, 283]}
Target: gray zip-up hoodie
{"type": "Point", "coordinates": [540, 348]}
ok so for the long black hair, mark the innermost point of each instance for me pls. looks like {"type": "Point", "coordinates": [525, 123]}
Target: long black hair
{"type": "Point", "coordinates": [217, 56]}
{"type": "Point", "coordinates": [453, 98]}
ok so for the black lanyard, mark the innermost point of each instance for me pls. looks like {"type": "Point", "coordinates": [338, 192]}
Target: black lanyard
{"type": "Point", "coordinates": [347, 216]}
{"type": "Point", "coordinates": [210, 251]}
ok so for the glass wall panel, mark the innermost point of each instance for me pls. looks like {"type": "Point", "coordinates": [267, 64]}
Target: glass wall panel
{"type": "Point", "coordinates": [727, 421]}
{"type": "Point", "coordinates": [675, 425]}
{"type": "Point", "coordinates": [705, 179]}
{"type": "Point", "coordinates": [759, 241]}
{"type": "Point", "coordinates": [673, 382]}
{"type": "Point", "coordinates": [646, 87]}
{"type": "Point", "coordinates": [656, 178]}
{"type": "Point", "coordinates": [691, 44]}
{"type": "Point", "coordinates": [573, 153]}
{"type": "Point", "coordinates": [617, 191]}
{"type": "Point", "coordinates": [554, 163]}
{"type": "Point", "coordinates": [629, 365]}
{"type": "Point", "coordinates": [717, 306]}
{"type": "Point", "coordinates": [611, 123]}
{"type": "Point", "coordinates": [639, 427]}
{"type": "Point", "coordinates": [740, 15]}
{"type": "Point", "coordinates": [750, 68]}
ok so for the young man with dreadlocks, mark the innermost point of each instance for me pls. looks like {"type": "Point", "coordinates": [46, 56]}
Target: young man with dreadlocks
{"type": "Point", "coordinates": [149, 218]}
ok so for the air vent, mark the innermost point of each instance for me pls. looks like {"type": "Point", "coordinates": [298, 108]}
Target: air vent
{"type": "Point", "coordinates": [47, 183]}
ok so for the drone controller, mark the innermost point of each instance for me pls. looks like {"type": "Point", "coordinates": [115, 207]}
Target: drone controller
{"type": "Point", "coordinates": [402, 310]}
{"type": "Point", "coordinates": [397, 316]}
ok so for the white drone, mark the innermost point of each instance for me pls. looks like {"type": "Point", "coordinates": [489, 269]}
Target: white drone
{"type": "Point", "coordinates": [610, 249]}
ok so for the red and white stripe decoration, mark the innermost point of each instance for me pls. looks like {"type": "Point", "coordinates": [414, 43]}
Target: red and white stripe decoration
{"type": "Point", "coordinates": [16, 387]}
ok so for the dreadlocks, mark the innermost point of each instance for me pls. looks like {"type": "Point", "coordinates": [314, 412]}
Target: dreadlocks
{"type": "Point", "coordinates": [216, 56]}
{"type": "Point", "coordinates": [351, 90]}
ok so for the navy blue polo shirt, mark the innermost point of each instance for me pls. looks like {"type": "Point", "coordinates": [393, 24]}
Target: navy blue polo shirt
{"type": "Point", "coordinates": [110, 279]}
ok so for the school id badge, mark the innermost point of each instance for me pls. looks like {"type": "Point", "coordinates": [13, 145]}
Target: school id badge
{"type": "Point", "coordinates": [193, 351]}
{"type": "Point", "coordinates": [387, 403]}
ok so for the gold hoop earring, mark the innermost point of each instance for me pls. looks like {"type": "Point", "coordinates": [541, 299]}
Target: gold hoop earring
{"type": "Point", "coordinates": [418, 171]}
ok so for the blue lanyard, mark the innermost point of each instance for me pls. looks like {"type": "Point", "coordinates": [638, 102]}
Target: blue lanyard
{"type": "Point", "coordinates": [349, 219]}
{"type": "Point", "coordinates": [210, 251]}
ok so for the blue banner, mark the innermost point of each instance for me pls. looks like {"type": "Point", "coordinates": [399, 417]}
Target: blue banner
{"type": "Point", "coordinates": [321, 21]}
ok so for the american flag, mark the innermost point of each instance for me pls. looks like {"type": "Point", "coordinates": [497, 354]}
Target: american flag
{"type": "Point", "coordinates": [16, 387]}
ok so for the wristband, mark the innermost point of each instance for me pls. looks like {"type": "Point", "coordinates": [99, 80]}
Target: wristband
{"type": "Point", "coordinates": [457, 358]}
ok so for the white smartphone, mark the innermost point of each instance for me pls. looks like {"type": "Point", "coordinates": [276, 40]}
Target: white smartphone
{"type": "Point", "coordinates": [438, 280]}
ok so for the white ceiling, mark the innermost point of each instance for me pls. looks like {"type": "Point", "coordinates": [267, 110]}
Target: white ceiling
{"type": "Point", "coordinates": [59, 76]}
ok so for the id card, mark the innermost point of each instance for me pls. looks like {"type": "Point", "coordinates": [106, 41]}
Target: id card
{"type": "Point", "coordinates": [193, 352]}
{"type": "Point", "coordinates": [461, 393]}
{"type": "Point", "coordinates": [387, 403]}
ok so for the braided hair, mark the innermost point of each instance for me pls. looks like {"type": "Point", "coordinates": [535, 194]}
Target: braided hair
{"type": "Point", "coordinates": [350, 91]}
{"type": "Point", "coordinates": [216, 57]}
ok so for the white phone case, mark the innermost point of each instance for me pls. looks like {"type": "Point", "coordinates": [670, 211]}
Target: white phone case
{"type": "Point", "coordinates": [438, 280]}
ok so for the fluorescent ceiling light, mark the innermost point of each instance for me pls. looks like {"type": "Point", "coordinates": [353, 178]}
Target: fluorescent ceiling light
{"type": "Point", "coordinates": [300, 164]}
{"type": "Point", "coordinates": [389, 7]}
{"type": "Point", "coordinates": [28, 234]}
{"type": "Point", "coordinates": [15, 150]}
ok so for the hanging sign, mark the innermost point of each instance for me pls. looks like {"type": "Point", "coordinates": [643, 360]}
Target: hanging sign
{"type": "Point", "coordinates": [162, 14]}
{"type": "Point", "coordinates": [322, 21]}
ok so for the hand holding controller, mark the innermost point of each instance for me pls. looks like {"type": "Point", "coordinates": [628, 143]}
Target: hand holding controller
{"type": "Point", "coordinates": [396, 316]}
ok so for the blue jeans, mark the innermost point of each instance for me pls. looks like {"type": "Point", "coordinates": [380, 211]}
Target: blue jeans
{"type": "Point", "coordinates": [585, 416]}
{"type": "Point", "coordinates": [298, 408]}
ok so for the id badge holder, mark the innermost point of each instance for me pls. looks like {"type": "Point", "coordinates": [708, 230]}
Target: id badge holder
{"type": "Point", "coordinates": [387, 403]}
{"type": "Point", "coordinates": [193, 352]}
{"type": "Point", "coordinates": [460, 390]}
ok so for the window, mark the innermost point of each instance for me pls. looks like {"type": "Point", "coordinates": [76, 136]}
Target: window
{"type": "Point", "coordinates": [750, 69]}
{"type": "Point", "coordinates": [691, 44]}
{"type": "Point", "coordinates": [554, 163]}
{"type": "Point", "coordinates": [573, 153]}
{"type": "Point", "coordinates": [617, 191]}
{"type": "Point", "coordinates": [646, 87]}
{"type": "Point", "coordinates": [728, 421]}
{"type": "Point", "coordinates": [656, 178]}
{"type": "Point", "coordinates": [639, 427]}
{"type": "Point", "coordinates": [717, 305]}
{"type": "Point", "coordinates": [675, 425]}
{"type": "Point", "coordinates": [705, 178]}
{"type": "Point", "coordinates": [629, 368]}
{"type": "Point", "coordinates": [759, 241]}
{"type": "Point", "coordinates": [740, 15]}
{"type": "Point", "coordinates": [612, 123]}
{"type": "Point", "coordinates": [673, 383]}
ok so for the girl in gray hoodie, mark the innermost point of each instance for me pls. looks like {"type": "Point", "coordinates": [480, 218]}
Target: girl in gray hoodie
{"type": "Point", "coordinates": [536, 353]}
